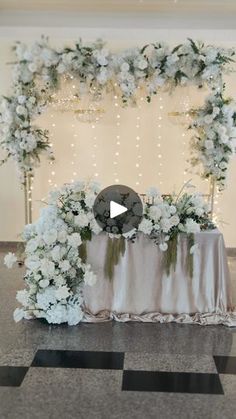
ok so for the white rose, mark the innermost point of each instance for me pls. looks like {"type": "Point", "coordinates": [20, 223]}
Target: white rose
{"type": "Point", "coordinates": [62, 293]}
{"type": "Point", "coordinates": [21, 110]}
{"type": "Point", "coordinates": [81, 220]}
{"type": "Point", "coordinates": [174, 220]}
{"type": "Point", "coordinates": [125, 67]}
{"type": "Point", "coordinates": [32, 245]}
{"type": "Point", "coordinates": [145, 226]}
{"type": "Point", "coordinates": [155, 213]}
{"type": "Point", "coordinates": [44, 283]}
{"type": "Point", "coordinates": [165, 225]}
{"type": "Point", "coordinates": [32, 263]}
{"type": "Point", "coordinates": [21, 99]}
{"type": "Point", "coordinates": [163, 247]}
{"type": "Point", "coordinates": [74, 240]}
{"type": "Point", "coordinates": [191, 226]}
{"type": "Point", "coordinates": [65, 265]}
{"type": "Point", "coordinates": [50, 236]}
{"type": "Point", "coordinates": [62, 236]}
{"type": "Point", "coordinates": [47, 268]}
{"type": "Point", "coordinates": [57, 253]}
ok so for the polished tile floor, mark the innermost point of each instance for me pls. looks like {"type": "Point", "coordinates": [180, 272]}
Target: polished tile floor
{"type": "Point", "coordinates": [113, 370]}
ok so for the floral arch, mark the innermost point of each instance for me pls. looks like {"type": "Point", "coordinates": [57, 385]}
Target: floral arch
{"type": "Point", "coordinates": [37, 74]}
{"type": "Point", "coordinates": [55, 244]}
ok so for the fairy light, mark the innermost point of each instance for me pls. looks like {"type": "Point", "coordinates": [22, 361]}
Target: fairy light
{"type": "Point", "coordinates": [137, 145]}
{"type": "Point", "coordinates": [51, 163]}
{"type": "Point", "coordinates": [117, 142]}
{"type": "Point", "coordinates": [159, 141]}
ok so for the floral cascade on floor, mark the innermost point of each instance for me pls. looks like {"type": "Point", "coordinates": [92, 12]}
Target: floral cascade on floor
{"type": "Point", "coordinates": [39, 69]}
{"type": "Point", "coordinates": [56, 268]}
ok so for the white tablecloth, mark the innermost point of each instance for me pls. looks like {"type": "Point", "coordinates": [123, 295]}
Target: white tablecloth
{"type": "Point", "coordinates": [141, 290]}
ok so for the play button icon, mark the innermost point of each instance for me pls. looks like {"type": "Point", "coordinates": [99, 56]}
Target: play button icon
{"type": "Point", "coordinates": [118, 209]}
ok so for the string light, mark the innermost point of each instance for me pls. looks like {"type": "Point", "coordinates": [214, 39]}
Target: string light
{"type": "Point", "coordinates": [137, 145]}
{"type": "Point", "coordinates": [159, 141]}
{"type": "Point", "coordinates": [117, 143]}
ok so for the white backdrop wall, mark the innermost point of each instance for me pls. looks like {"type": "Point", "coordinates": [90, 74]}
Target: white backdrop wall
{"type": "Point", "coordinates": [110, 150]}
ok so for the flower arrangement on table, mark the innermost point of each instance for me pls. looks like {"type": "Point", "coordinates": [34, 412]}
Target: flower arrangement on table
{"type": "Point", "coordinates": [56, 266]}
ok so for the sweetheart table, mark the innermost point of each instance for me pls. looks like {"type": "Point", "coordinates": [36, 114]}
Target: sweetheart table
{"type": "Point", "coordinates": [141, 290]}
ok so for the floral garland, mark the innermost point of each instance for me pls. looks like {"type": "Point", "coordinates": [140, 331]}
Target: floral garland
{"type": "Point", "coordinates": [38, 69]}
{"type": "Point", "coordinates": [55, 272]}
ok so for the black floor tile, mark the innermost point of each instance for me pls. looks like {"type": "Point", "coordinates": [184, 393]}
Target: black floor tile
{"type": "Point", "coordinates": [12, 376]}
{"type": "Point", "coordinates": [79, 359]}
{"type": "Point", "coordinates": [179, 382]}
{"type": "Point", "coordinates": [225, 364]}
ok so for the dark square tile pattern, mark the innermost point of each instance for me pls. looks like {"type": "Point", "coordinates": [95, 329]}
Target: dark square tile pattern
{"type": "Point", "coordinates": [225, 364]}
{"type": "Point", "coordinates": [177, 382]}
{"type": "Point", "coordinates": [79, 359]}
{"type": "Point", "coordinates": [12, 376]}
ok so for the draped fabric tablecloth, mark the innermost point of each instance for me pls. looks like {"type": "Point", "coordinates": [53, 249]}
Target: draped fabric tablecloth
{"type": "Point", "coordinates": [141, 290]}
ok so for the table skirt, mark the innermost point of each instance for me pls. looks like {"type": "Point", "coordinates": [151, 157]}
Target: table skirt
{"type": "Point", "coordinates": [141, 290]}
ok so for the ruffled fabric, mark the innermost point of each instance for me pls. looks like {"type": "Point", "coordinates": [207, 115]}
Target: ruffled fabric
{"type": "Point", "coordinates": [204, 319]}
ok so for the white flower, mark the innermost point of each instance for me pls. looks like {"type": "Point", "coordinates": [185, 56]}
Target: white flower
{"type": "Point", "coordinates": [223, 165]}
{"type": "Point", "coordinates": [165, 224]}
{"type": "Point", "coordinates": [21, 110]}
{"type": "Point", "coordinates": [74, 240]}
{"type": "Point", "coordinates": [33, 263]}
{"type": "Point", "coordinates": [191, 226]}
{"type": "Point", "coordinates": [142, 64]}
{"type": "Point", "coordinates": [95, 227]}
{"type": "Point", "coordinates": [152, 192]}
{"type": "Point", "coordinates": [46, 297]}
{"type": "Point", "coordinates": [23, 297]}
{"type": "Point", "coordinates": [47, 268]}
{"type": "Point", "coordinates": [125, 67]}
{"type": "Point", "coordinates": [10, 259]}
{"type": "Point", "coordinates": [74, 315]}
{"type": "Point", "coordinates": [62, 293]}
{"type": "Point", "coordinates": [174, 220]}
{"type": "Point", "coordinates": [65, 265]}
{"type": "Point", "coordinates": [90, 278]}
{"type": "Point", "coordinates": [209, 144]}
{"type": "Point", "coordinates": [21, 99]}
{"type": "Point", "coordinates": [57, 314]}
{"type": "Point", "coordinates": [173, 209]}
{"type": "Point", "coordinates": [89, 200]}
{"type": "Point", "coordinates": [19, 314]}
{"type": "Point", "coordinates": [44, 283]}
{"type": "Point", "coordinates": [163, 247]}
{"type": "Point", "coordinates": [145, 226]}
{"type": "Point", "coordinates": [57, 253]}
{"type": "Point", "coordinates": [81, 220]}
{"type": "Point", "coordinates": [155, 213]}
{"type": "Point", "coordinates": [50, 236]}
{"type": "Point", "coordinates": [32, 245]}
{"type": "Point", "coordinates": [62, 236]}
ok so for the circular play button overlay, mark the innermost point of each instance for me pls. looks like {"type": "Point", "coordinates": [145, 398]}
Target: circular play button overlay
{"type": "Point", "coordinates": [118, 209]}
